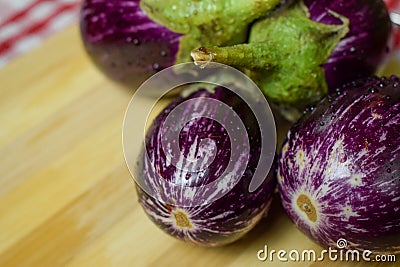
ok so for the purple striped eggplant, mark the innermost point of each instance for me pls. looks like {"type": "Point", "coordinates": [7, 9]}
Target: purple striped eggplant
{"type": "Point", "coordinates": [124, 43]}
{"type": "Point", "coordinates": [209, 153]}
{"type": "Point", "coordinates": [130, 40]}
{"type": "Point", "coordinates": [300, 54]}
{"type": "Point", "coordinates": [359, 53]}
{"type": "Point", "coordinates": [339, 168]}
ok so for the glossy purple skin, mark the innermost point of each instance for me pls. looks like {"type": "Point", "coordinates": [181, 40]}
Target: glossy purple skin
{"type": "Point", "coordinates": [361, 51]}
{"type": "Point", "coordinates": [345, 157]}
{"type": "Point", "coordinates": [227, 218]}
{"type": "Point", "coordinates": [123, 42]}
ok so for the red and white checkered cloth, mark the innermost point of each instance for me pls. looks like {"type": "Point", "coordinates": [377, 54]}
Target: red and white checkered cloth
{"type": "Point", "coordinates": [394, 5]}
{"type": "Point", "coordinates": [25, 23]}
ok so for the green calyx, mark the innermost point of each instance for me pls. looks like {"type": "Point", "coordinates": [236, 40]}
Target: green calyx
{"type": "Point", "coordinates": [284, 55]}
{"type": "Point", "coordinates": [207, 22]}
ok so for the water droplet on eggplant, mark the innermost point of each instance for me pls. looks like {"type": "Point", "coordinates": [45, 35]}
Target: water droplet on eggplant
{"type": "Point", "coordinates": [156, 66]}
{"type": "Point", "coordinates": [163, 53]}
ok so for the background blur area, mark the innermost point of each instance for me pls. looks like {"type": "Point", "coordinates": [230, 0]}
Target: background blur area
{"type": "Point", "coordinates": [24, 24]}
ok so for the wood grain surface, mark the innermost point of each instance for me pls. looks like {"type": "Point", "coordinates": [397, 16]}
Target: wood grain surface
{"type": "Point", "coordinates": [66, 196]}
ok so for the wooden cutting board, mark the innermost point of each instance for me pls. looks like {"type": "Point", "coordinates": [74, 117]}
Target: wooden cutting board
{"type": "Point", "coordinates": [66, 196]}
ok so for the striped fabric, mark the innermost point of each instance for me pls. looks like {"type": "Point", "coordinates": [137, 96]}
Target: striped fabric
{"type": "Point", "coordinates": [25, 23]}
{"type": "Point", "coordinates": [394, 5]}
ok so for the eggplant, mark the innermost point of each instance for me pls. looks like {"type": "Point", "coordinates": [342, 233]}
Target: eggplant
{"type": "Point", "coordinates": [124, 43]}
{"type": "Point", "coordinates": [339, 168]}
{"type": "Point", "coordinates": [130, 40]}
{"type": "Point", "coordinates": [360, 52]}
{"type": "Point", "coordinates": [299, 54]}
{"type": "Point", "coordinates": [202, 195]}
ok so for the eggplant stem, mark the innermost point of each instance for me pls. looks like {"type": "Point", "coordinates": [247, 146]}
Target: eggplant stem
{"type": "Point", "coordinates": [249, 56]}
{"type": "Point", "coordinates": [202, 57]}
